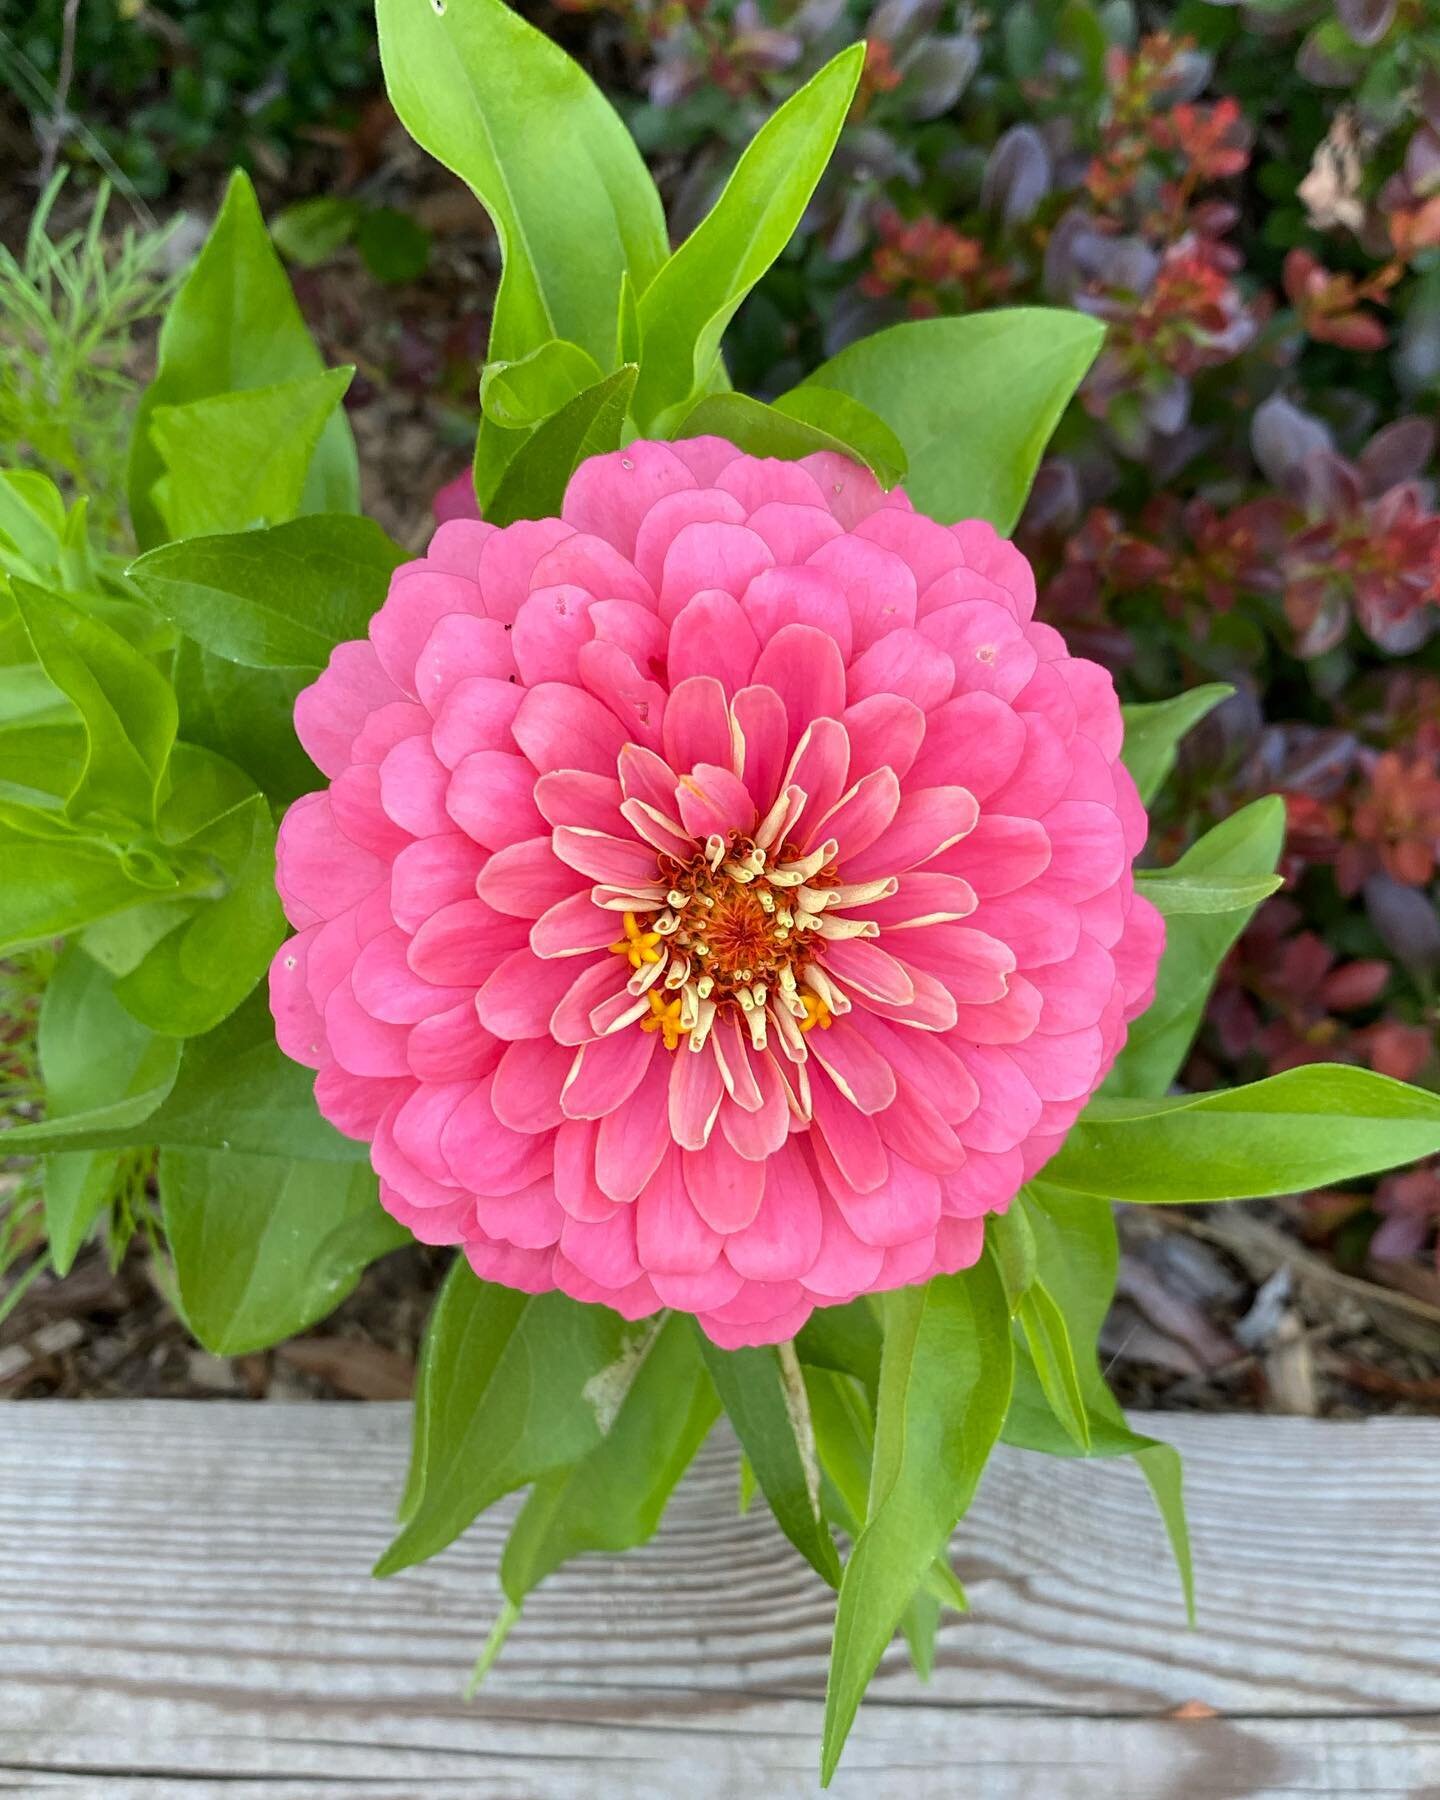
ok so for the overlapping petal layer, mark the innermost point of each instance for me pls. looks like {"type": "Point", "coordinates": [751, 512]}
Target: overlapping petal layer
{"type": "Point", "coordinates": [722, 896]}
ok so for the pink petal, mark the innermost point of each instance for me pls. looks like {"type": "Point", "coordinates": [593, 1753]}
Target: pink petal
{"type": "Point", "coordinates": [783, 1239]}
{"type": "Point", "coordinates": [927, 822]}
{"type": "Point", "coordinates": [572, 797]}
{"type": "Point", "coordinates": [331, 712]}
{"type": "Point", "coordinates": [526, 1089]}
{"type": "Point", "coordinates": [862, 966]}
{"type": "Point", "coordinates": [861, 1074]}
{"type": "Point", "coordinates": [989, 650]}
{"type": "Point", "coordinates": [861, 816]}
{"type": "Point", "coordinates": [725, 1186]}
{"type": "Point", "coordinates": [904, 662]}
{"type": "Point", "coordinates": [846, 1265]}
{"type": "Point", "coordinates": [697, 725]}
{"type": "Point", "coordinates": [702, 556]}
{"type": "Point", "coordinates": [670, 1236]}
{"type": "Point", "coordinates": [695, 1095]}
{"type": "Point", "coordinates": [879, 587]}
{"type": "Point", "coordinates": [573, 926]}
{"type": "Point", "coordinates": [413, 785]}
{"type": "Point", "coordinates": [461, 648]}
{"type": "Point", "coordinates": [610, 495]}
{"type": "Point", "coordinates": [387, 987]}
{"type": "Point", "coordinates": [780, 597]}
{"type": "Point", "coordinates": [606, 1073]}
{"type": "Point", "coordinates": [711, 799]}
{"type": "Point", "coordinates": [492, 799]}
{"type": "Point", "coordinates": [575, 1186]}
{"type": "Point", "coordinates": [1001, 854]}
{"type": "Point", "coordinates": [633, 1139]}
{"type": "Point", "coordinates": [793, 533]}
{"type": "Point", "coordinates": [850, 1137]}
{"type": "Point", "coordinates": [668, 517]}
{"type": "Point", "coordinates": [452, 1046]}
{"type": "Point", "coordinates": [460, 944]}
{"type": "Point", "coordinates": [526, 878]}
{"type": "Point", "coordinates": [712, 636]}
{"type": "Point", "coordinates": [885, 732]}
{"type": "Point", "coordinates": [519, 996]}
{"type": "Point", "coordinates": [485, 1155]}
{"type": "Point", "coordinates": [761, 721]}
{"type": "Point", "coordinates": [975, 739]}
{"type": "Point", "coordinates": [563, 727]}
{"type": "Point", "coordinates": [619, 862]}
{"type": "Point", "coordinates": [477, 715]}
{"type": "Point", "coordinates": [805, 669]}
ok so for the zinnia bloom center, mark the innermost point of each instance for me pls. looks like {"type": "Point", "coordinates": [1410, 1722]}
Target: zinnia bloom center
{"type": "Point", "coordinates": [740, 927]}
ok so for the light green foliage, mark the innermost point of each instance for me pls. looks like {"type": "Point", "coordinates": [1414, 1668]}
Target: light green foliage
{"type": "Point", "coordinates": [265, 1245]}
{"type": "Point", "coordinates": [276, 599]}
{"type": "Point", "coordinates": [973, 401]}
{"type": "Point", "coordinates": [533, 485]}
{"type": "Point", "coordinates": [776, 430]}
{"type": "Point", "coordinates": [234, 327]}
{"type": "Point", "coordinates": [505, 1396]}
{"type": "Point", "coordinates": [1153, 733]}
{"type": "Point", "coordinates": [683, 312]}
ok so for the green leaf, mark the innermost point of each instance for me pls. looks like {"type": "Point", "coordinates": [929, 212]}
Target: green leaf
{"type": "Point", "coordinates": [200, 971]}
{"type": "Point", "coordinates": [1245, 846]}
{"type": "Point", "coordinates": [520, 394]}
{"type": "Point", "coordinates": [126, 707]}
{"type": "Point", "coordinates": [763, 1392]}
{"type": "Point", "coordinates": [1048, 1341]}
{"type": "Point", "coordinates": [1185, 895]}
{"type": "Point", "coordinates": [247, 716]}
{"type": "Point", "coordinates": [944, 1390]}
{"type": "Point", "coordinates": [234, 325]}
{"type": "Point", "coordinates": [509, 1390]}
{"type": "Point", "coordinates": [662, 1409]}
{"type": "Point", "coordinates": [533, 485]}
{"type": "Point", "coordinates": [93, 1055]}
{"type": "Point", "coordinates": [1153, 733]}
{"type": "Point", "coordinates": [276, 599]}
{"type": "Point", "coordinates": [264, 1245]}
{"type": "Point", "coordinates": [973, 401]}
{"type": "Point", "coordinates": [920, 1623]}
{"type": "Point", "coordinates": [234, 1091]}
{"type": "Point", "coordinates": [1010, 1236]}
{"type": "Point", "coordinates": [396, 249]}
{"type": "Point", "coordinates": [685, 309]}
{"type": "Point", "coordinates": [1310, 1127]}
{"type": "Point", "coordinates": [240, 459]}
{"type": "Point", "coordinates": [55, 885]}
{"type": "Point", "coordinates": [545, 154]}
{"type": "Point", "coordinates": [766, 431]}
{"type": "Point", "coordinates": [847, 1339]}
{"type": "Point", "coordinates": [311, 231]}
{"type": "Point", "coordinates": [1078, 1256]}
{"type": "Point", "coordinates": [861, 432]}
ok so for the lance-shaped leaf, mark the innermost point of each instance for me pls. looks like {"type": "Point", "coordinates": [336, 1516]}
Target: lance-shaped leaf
{"type": "Point", "coordinates": [543, 151]}
{"type": "Point", "coordinates": [1305, 1128]}
{"type": "Point", "coordinates": [1245, 847]}
{"type": "Point", "coordinates": [533, 485]}
{"type": "Point", "coordinates": [763, 1393]}
{"type": "Point", "coordinates": [760, 430]}
{"type": "Point", "coordinates": [507, 1394]}
{"type": "Point", "coordinates": [93, 1054]}
{"type": "Point", "coordinates": [685, 309]}
{"type": "Point", "coordinates": [847, 1339]}
{"type": "Point", "coordinates": [276, 599]}
{"type": "Point", "coordinates": [1153, 733]}
{"type": "Point", "coordinates": [656, 1407]}
{"type": "Point", "coordinates": [234, 325]}
{"type": "Point", "coordinates": [265, 1245]}
{"type": "Point", "coordinates": [944, 1389]}
{"type": "Point", "coordinates": [972, 400]}
{"type": "Point", "coordinates": [1077, 1257]}
{"type": "Point", "coordinates": [241, 459]}
{"type": "Point", "coordinates": [1179, 896]}
{"type": "Point", "coordinates": [126, 707]}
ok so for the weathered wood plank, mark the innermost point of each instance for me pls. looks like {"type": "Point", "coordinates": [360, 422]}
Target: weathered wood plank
{"type": "Point", "coordinates": [185, 1612]}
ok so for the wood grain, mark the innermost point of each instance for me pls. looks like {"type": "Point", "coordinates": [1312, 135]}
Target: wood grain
{"type": "Point", "coordinates": [185, 1611]}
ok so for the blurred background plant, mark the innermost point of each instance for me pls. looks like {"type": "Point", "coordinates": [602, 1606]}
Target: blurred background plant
{"type": "Point", "coordinates": [1249, 197]}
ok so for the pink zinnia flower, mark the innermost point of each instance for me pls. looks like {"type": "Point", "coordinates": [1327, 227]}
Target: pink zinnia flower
{"type": "Point", "coordinates": [722, 898]}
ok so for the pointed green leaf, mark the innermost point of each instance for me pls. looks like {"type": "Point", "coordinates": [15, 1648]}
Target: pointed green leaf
{"type": "Point", "coordinates": [762, 430]}
{"type": "Point", "coordinates": [973, 400]}
{"type": "Point", "coordinates": [763, 1393]}
{"type": "Point", "coordinates": [509, 1393]}
{"type": "Point", "coordinates": [93, 1055]}
{"type": "Point", "coordinates": [545, 154]}
{"type": "Point", "coordinates": [1184, 895]}
{"type": "Point", "coordinates": [533, 485]}
{"type": "Point", "coordinates": [1246, 846]}
{"type": "Point", "coordinates": [944, 1389]}
{"type": "Point", "coordinates": [126, 707]}
{"type": "Point", "coordinates": [234, 325]}
{"type": "Point", "coordinates": [241, 459]}
{"type": "Point", "coordinates": [265, 1245]}
{"type": "Point", "coordinates": [1310, 1127]}
{"type": "Point", "coordinates": [247, 716]}
{"type": "Point", "coordinates": [279, 599]}
{"type": "Point", "coordinates": [1077, 1256]}
{"type": "Point", "coordinates": [845, 1338]}
{"type": "Point", "coordinates": [685, 309]}
{"type": "Point", "coordinates": [1153, 733]}
{"type": "Point", "coordinates": [1048, 1342]}
{"type": "Point", "coordinates": [661, 1409]}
